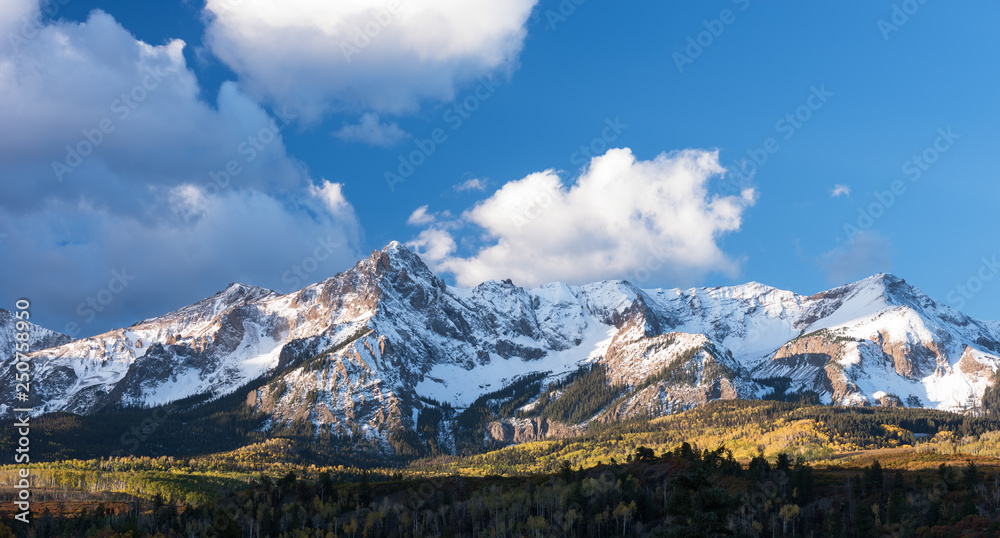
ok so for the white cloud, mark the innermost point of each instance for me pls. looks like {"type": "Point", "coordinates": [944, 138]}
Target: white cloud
{"type": "Point", "coordinates": [622, 218]}
{"type": "Point", "coordinates": [190, 194]}
{"type": "Point", "coordinates": [332, 195]}
{"type": "Point", "coordinates": [840, 190]}
{"type": "Point", "coordinates": [867, 254]}
{"type": "Point", "coordinates": [372, 131]}
{"type": "Point", "coordinates": [420, 217]}
{"type": "Point", "coordinates": [241, 236]}
{"type": "Point", "coordinates": [18, 20]}
{"type": "Point", "coordinates": [474, 184]}
{"type": "Point", "coordinates": [101, 115]}
{"type": "Point", "coordinates": [435, 245]}
{"type": "Point", "coordinates": [317, 55]}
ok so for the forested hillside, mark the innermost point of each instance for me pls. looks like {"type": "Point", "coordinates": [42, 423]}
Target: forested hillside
{"type": "Point", "coordinates": [729, 468]}
{"type": "Point", "coordinates": [683, 492]}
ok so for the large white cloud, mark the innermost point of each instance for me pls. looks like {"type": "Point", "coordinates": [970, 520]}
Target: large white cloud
{"type": "Point", "coordinates": [110, 157]}
{"type": "Point", "coordinates": [18, 22]}
{"type": "Point", "coordinates": [66, 254]}
{"type": "Point", "coordinates": [94, 112]}
{"type": "Point", "coordinates": [649, 221]}
{"type": "Point", "coordinates": [317, 55]}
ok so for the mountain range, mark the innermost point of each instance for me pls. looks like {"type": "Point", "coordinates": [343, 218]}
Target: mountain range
{"type": "Point", "coordinates": [388, 347]}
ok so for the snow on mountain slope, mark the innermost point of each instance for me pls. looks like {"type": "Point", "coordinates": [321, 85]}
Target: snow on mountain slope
{"type": "Point", "coordinates": [364, 351]}
{"type": "Point", "coordinates": [40, 338]}
{"type": "Point", "coordinates": [460, 387]}
{"type": "Point", "coordinates": [882, 335]}
{"type": "Point", "coordinates": [751, 320]}
{"type": "Point", "coordinates": [214, 345]}
{"type": "Point", "coordinates": [458, 344]}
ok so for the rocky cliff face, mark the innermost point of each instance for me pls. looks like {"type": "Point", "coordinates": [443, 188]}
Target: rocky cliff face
{"type": "Point", "coordinates": [516, 431]}
{"type": "Point", "coordinates": [368, 350]}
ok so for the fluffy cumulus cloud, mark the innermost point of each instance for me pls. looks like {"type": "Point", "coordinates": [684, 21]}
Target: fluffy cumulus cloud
{"type": "Point", "coordinates": [866, 254]}
{"type": "Point", "coordinates": [434, 244]}
{"type": "Point", "coordinates": [18, 23]}
{"type": "Point", "coordinates": [653, 222]}
{"type": "Point", "coordinates": [111, 160]}
{"type": "Point", "coordinates": [317, 55]}
{"type": "Point", "coordinates": [69, 255]}
{"type": "Point", "coordinates": [372, 131]}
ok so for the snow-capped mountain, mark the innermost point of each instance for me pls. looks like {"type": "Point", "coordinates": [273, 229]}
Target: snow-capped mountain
{"type": "Point", "coordinates": [38, 338]}
{"type": "Point", "coordinates": [363, 352]}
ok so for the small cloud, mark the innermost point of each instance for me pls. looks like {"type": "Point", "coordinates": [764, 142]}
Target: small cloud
{"type": "Point", "coordinates": [433, 244]}
{"type": "Point", "coordinates": [420, 217]}
{"type": "Point", "coordinates": [474, 184]}
{"type": "Point", "coordinates": [372, 131]}
{"type": "Point", "coordinates": [868, 254]}
{"type": "Point", "coordinates": [840, 190]}
{"type": "Point", "coordinates": [332, 195]}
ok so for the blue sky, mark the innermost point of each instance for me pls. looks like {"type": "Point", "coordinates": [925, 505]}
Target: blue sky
{"type": "Point", "coordinates": [845, 96]}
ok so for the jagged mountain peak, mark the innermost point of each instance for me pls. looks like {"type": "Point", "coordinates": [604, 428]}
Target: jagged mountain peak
{"type": "Point", "coordinates": [749, 290]}
{"type": "Point", "coordinates": [495, 288]}
{"type": "Point", "coordinates": [400, 264]}
{"type": "Point", "coordinates": [620, 291]}
{"type": "Point", "coordinates": [236, 291]}
{"type": "Point", "coordinates": [883, 277]}
{"type": "Point", "coordinates": [884, 283]}
{"type": "Point", "coordinates": [866, 296]}
{"type": "Point", "coordinates": [395, 247]}
{"type": "Point", "coordinates": [388, 333]}
{"type": "Point", "coordinates": [888, 290]}
{"type": "Point", "coordinates": [753, 288]}
{"type": "Point", "coordinates": [234, 295]}
{"type": "Point", "coordinates": [40, 337]}
{"type": "Point", "coordinates": [396, 254]}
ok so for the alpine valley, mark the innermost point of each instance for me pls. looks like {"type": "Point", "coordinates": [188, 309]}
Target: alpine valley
{"type": "Point", "coordinates": [386, 351]}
